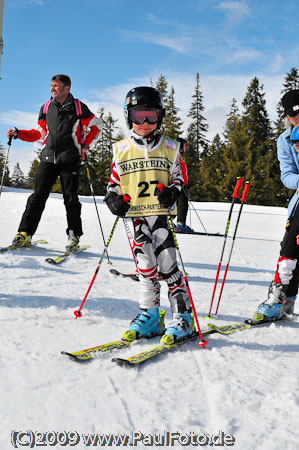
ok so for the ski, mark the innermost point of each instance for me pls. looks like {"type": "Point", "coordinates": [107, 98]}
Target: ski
{"type": "Point", "coordinates": [201, 233]}
{"type": "Point", "coordinates": [134, 276]}
{"type": "Point", "coordinates": [66, 255]}
{"type": "Point", "coordinates": [127, 338]}
{"type": "Point", "coordinates": [161, 348]}
{"type": "Point", "coordinates": [90, 353]}
{"type": "Point", "coordinates": [15, 247]}
{"type": "Point", "coordinates": [133, 361]}
{"type": "Point", "coordinates": [221, 329]}
{"type": "Point", "coordinates": [255, 323]}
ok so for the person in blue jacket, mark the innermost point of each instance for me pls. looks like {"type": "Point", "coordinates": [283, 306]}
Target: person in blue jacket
{"type": "Point", "coordinates": [283, 288]}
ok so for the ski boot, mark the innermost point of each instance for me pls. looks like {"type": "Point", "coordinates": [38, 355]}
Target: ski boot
{"type": "Point", "coordinates": [149, 323]}
{"type": "Point", "coordinates": [181, 326]}
{"type": "Point", "coordinates": [180, 228]}
{"type": "Point", "coordinates": [273, 308]}
{"type": "Point", "coordinates": [289, 304]}
{"type": "Point", "coordinates": [22, 239]}
{"type": "Point", "coordinates": [72, 243]}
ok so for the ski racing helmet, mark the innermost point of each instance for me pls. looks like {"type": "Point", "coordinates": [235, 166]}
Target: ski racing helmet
{"type": "Point", "coordinates": [144, 96]}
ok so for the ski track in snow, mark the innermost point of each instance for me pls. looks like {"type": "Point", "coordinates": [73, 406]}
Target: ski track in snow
{"type": "Point", "coordinates": [245, 384]}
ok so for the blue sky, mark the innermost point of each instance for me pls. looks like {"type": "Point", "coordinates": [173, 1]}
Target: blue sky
{"type": "Point", "coordinates": [109, 46]}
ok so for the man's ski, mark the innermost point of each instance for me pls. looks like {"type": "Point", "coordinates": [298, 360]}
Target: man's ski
{"type": "Point", "coordinates": [66, 255]}
{"type": "Point", "coordinates": [16, 247]}
{"type": "Point", "coordinates": [201, 233]}
{"type": "Point", "coordinates": [161, 348]}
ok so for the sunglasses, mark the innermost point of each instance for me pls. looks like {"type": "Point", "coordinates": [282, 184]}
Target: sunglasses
{"type": "Point", "coordinates": [293, 113]}
{"type": "Point", "coordinates": [141, 114]}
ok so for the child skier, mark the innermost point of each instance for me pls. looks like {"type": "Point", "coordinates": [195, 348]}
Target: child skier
{"type": "Point", "coordinates": [140, 163]}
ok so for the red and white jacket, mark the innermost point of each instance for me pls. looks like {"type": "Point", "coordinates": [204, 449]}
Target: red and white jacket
{"type": "Point", "coordinates": [63, 132]}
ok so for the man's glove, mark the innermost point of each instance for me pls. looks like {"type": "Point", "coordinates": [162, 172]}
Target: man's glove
{"type": "Point", "coordinates": [168, 196]}
{"type": "Point", "coordinates": [14, 133]}
{"type": "Point", "coordinates": [118, 204]}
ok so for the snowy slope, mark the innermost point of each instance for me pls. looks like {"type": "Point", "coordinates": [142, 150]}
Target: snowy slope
{"type": "Point", "coordinates": [245, 384]}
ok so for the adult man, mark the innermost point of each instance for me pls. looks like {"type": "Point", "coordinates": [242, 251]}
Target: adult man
{"type": "Point", "coordinates": [62, 123]}
{"type": "Point", "coordinates": [283, 288]}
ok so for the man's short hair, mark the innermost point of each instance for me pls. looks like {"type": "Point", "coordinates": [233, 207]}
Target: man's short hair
{"type": "Point", "coordinates": [65, 79]}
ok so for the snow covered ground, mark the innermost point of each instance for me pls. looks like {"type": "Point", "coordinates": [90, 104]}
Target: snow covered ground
{"type": "Point", "coordinates": [243, 386]}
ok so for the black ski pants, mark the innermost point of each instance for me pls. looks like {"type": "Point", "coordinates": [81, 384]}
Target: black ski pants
{"type": "Point", "coordinates": [46, 176]}
{"type": "Point", "coordinates": [290, 251]}
{"type": "Point", "coordinates": [182, 204]}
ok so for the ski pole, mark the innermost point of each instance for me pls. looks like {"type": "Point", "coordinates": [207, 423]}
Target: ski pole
{"type": "Point", "coordinates": [243, 200]}
{"type": "Point", "coordinates": [198, 217]}
{"type": "Point", "coordinates": [202, 342]}
{"type": "Point", "coordinates": [78, 312]}
{"type": "Point", "coordinates": [95, 203]}
{"type": "Point", "coordinates": [130, 237]}
{"type": "Point", "coordinates": [5, 162]}
{"type": "Point", "coordinates": [235, 195]}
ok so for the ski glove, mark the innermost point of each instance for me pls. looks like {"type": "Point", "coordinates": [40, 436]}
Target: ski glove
{"type": "Point", "coordinates": [168, 196]}
{"type": "Point", "coordinates": [116, 203]}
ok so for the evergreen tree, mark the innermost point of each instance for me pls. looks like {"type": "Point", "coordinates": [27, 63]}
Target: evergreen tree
{"type": "Point", "coordinates": [225, 161]}
{"type": "Point", "coordinates": [100, 157]}
{"type": "Point", "coordinates": [262, 171]}
{"type": "Point", "coordinates": [3, 162]}
{"type": "Point", "coordinates": [32, 173]}
{"type": "Point", "coordinates": [236, 158]}
{"type": "Point", "coordinates": [18, 179]}
{"type": "Point", "coordinates": [196, 140]}
{"type": "Point", "coordinates": [210, 173]}
{"type": "Point", "coordinates": [30, 179]}
{"type": "Point", "coordinates": [162, 87]}
{"type": "Point", "coordinates": [172, 123]}
{"type": "Point", "coordinates": [233, 118]}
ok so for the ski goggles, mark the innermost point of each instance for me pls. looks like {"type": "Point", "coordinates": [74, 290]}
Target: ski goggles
{"type": "Point", "coordinates": [141, 114]}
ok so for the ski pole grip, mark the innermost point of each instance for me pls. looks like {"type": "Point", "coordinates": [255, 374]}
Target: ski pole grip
{"type": "Point", "coordinates": [10, 140]}
{"type": "Point", "coordinates": [160, 186]}
{"type": "Point", "coordinates": [246, 189]}
{"type": "Point", "coordinates": [236, 193]}
{"type": "Point", "coordinates": [126, 198]}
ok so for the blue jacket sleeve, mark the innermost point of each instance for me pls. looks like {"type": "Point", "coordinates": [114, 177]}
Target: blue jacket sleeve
{"type": "Point", "coordinates": [289, 161]}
